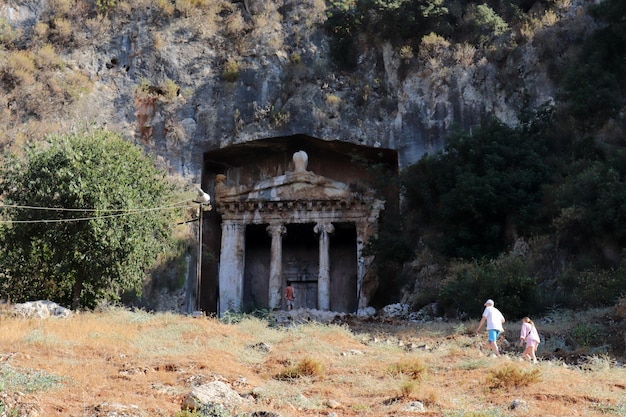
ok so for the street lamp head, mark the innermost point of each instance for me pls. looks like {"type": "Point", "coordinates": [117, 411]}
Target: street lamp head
{"type": "Point", "coordinates": [202, 197]}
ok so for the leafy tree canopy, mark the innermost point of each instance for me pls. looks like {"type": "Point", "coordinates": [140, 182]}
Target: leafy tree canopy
{"type": "Point", "coordinates": [108, 218]}
{"type": "Point", "coordinates": [484, 188]}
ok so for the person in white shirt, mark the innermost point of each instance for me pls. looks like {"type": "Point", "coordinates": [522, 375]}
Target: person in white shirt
{"type": "Point", "coordinates": [494, 319]}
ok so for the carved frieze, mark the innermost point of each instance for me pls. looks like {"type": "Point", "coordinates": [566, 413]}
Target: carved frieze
{"type": "Point", "coordinates": [298, 196]}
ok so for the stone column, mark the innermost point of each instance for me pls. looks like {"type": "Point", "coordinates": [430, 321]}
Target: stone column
{"type": "Point", "coordinates": [360, 265]}
{"type": "Point", "coordinates": [231, 266]}
{"type": "Point", "coordinates": [323, 278]}
{"type": "Point", "coordinates": [276, 265]}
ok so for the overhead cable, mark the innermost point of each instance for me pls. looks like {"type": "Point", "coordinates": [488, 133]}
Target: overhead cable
{"type": "Point", "coordinates": [120, 212]}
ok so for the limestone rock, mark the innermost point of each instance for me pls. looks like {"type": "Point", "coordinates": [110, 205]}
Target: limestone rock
{"type": "Point", "coordinates": [41, 309]}
{"type": "Point", "coordinates": [216, 392]}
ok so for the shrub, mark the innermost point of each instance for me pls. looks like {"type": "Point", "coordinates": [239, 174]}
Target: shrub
{"type": "Point", "coordinates": [62, 29]}
{"type": "Point", "coordinates": [433, 46]}
{"type": "Point", "coordinates": [591, 204]}
{"type": "Point", "coordinates": [511, 376]}
{"type": "Point", "coordinates": [506, 280]}
{"type": "Point", "coordinates": [170, 90]}
{"type": "Point", "coordinates": [591, 94]}
{"type": "Point", "coordinates": [82, 257]}
{"type": "Point", "coordinates": [407, 388]}
{"type": "Point", "coordinates": [206, 410]}
{"type": "Point", "coordinates": [28, 381]}
{"type": "Point", "coordinates": [592, 288]}
{"type": "Point", "coordinates": [399, 20]}
{"type": "Point", "coordinates": [413, 368]}
{"type": "Point", "coordinates": [7, 34]}
{"type": "Point", "coordinates": [406, 53]}
{"type": "Point", "coordinates": [486, 24]}
{"type": "Point", "coordinates": [307, 367]}
{"type": "Point", "coordinates": [279, 118]}
{"type": "Point", "coordinates": [41, 30]}
{"type": "Point", "coordinates": [333, 100]}
{"type": "Point", "coordinates": [295, 58]}
{"type": "Point", "coordinates": [166, 7]}
{"type": "Point", "coordinates": [586, 335]}
{"type": "Point", "coordinates": [186, 413]}
{"type": "Point", "coordinates": [188, 7]}
{"type": "Point", "coordinates": [230, 71]}
{"type": "Point", "coordinates": [343, 21]}
{"type": "Point", "coordinates": [166, 91]}
{"type": "Point", "coordinates": [61, 7]}
{"type": "Point", "coordinates": [482, 190]}
{"type": "Point", "coordinates": [74, 85]}
{"type": "Point", "coordinates": [235, 24]}
{"type": "Point", "coordinates": [105, 5]}
{"type": "Point", "coordinates": [464, 54]}
{"type": "Point", "coordinates": [21, 60]}
{"type": "Point", "coordinates": [46, 58]}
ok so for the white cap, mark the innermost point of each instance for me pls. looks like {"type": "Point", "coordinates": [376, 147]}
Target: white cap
{"type": "Point", "coordinates": [489, 302]}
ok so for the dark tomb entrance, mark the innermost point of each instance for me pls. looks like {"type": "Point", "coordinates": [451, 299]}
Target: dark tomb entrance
{"type": "Point", "coordinates": [300, 263]}
{"type": "Point", "coordinates": [257, 268]}
{"type": "Point", "coordinates": [343, 268]}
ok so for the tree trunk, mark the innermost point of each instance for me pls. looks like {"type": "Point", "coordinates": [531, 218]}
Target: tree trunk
{"type": "Point", "coordinates": [78, 289]}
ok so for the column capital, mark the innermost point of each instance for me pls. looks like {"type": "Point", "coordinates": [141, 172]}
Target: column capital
{"type": "Point", "coordinates": [324, 227]}
{"type": "Point", "coordinates": [276, 229]}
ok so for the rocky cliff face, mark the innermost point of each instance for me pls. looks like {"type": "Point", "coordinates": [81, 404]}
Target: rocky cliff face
{"type": "Point", "coordinates": [184, 81]}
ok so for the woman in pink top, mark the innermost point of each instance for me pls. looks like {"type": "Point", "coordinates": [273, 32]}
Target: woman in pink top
{"type": "Point", "coordinates": [531, 337]}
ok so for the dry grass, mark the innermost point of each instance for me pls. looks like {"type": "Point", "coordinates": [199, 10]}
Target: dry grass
{"type": "Point", "coordinates": [511, 377]}
{"type": "Point", "coordinates": [69, 367]}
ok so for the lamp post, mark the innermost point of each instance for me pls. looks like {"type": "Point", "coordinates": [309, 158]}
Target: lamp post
{"type": "Point", "coordinates": [203, 199]}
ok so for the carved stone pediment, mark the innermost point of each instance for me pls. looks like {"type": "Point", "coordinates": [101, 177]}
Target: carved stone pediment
{"type": "Point", "coordinates": [292, 186]}
{"type": "Point", "coordinates": [298, 185]}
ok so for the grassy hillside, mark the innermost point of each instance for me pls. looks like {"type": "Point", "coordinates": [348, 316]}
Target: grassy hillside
{"type": "Point", "coordinates": [137, 364]}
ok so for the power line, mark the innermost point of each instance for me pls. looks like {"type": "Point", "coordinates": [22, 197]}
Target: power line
{"type": "Point", "coordinates": [180, 203]}
{"type": "Point", "coordinates": [120, 212]}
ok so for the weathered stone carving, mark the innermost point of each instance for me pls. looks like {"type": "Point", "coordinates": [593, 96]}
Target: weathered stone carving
{"type": "Point", "coordinates": [298, 197]}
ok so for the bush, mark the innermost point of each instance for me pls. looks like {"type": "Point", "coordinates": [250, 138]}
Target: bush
{"type": "Point", "coordinates": [591, 206]}
{"type": "Point", "coordinates": [7, 34]}
{"type": "Point", "coordinates": [105, 5]}
{"type": "Point", "coordinates": [591, 94]}
{"type": "Point", "coordinates": [308, 367]}
{"type": "Point", "coordinates": [592, 288]}
{"type": "Point", "coordinates": [489, 23]}
{"type": "Point", "coordinates": [407, 388]}
{"type": "Point", "coordinates": [343, 21]}
{"type": "Point", "coordinates": [505, 280]}
{"type": "Point", "coordinates": [482, 190]}
{"type": "Point", "coordinates": [230, 71]}
{"type": "Point", "coordinates": [414, 369]}
{"type": "Point", "coordinates": [29, 381]}
{"type": "Point", "coordinates": [587, 335]}
{"type": "Point", "coordinates": [510, 377]}
{"type": "Point", "coordinates": [97, 232]}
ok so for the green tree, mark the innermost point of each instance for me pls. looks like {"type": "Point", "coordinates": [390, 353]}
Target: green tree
{"type": "Point", "coordinates": [506, 279]}
{"type": "Point", "coordinates": [593, 85]}
{"type": "Point", "coordinates": [482, 190]}
{"type": "Point", "coordinates": [481, 24]}
{"type": "Point", "coordinates": [343, 21]}
{"type": "Point", "coordinates": [107, 221]}
{"type": "Point", "coordinates": [591, 205]}
{"type": "Point", "coordinates": [400, 20]}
